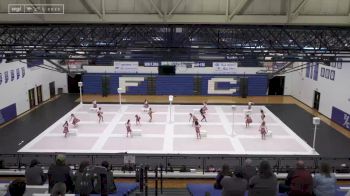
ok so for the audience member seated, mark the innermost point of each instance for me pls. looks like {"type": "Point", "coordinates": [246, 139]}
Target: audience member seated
{"type": "Point", "coordinates": [59, 189]}
{"type": "Point", "coordinates": [83, 179]}
{"type": "Point", "coordinates": [17, 188]}
{"type": "Point", "coordinates": [184, 169]}
{"type": "Point", "coordinates": [248, 169]}
{"type": "Point", "coordinates": [264, 183]}
{"type": "Point", "coordinates": [325, 182]}
{"type": "Point", "coordinates": [108, 174]}
{"type": "Point", "coordinates": [128, 167]}
{"type": "Point", "coordinates": [299, 181]}
{"type": "Point", "coordinates": [60, 172]}
{"type": "Point", "coordinates": [234, 186]}
{"type": "Point", "coordinates": [211, 168]}
{"type": "Point", "coordinates": [34, 174]}
{"type": "Point", "coordinates": [224, 172]}
{"type": "Point", "coordinates": [169, 168]}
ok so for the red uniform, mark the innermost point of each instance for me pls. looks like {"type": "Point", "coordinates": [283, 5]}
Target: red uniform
{"type": "Point", "coordinates": [75, 121]}
{"type": "Point", "coordinates": [263, 130]}
{"type": "Point", "coordinates": [94, 104]}
{"type": "Point", "coordinates": [128, 127]}
{"type": "Point", "coordinates": [248, 120]}
{"type": "Point", "coordinates": [99, 113]}
{"type": "Point", "coordinates": [197, 128]}
{"type": "Point", "coordinates": [65, 128]}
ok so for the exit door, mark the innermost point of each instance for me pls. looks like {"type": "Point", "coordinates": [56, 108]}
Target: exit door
{"type": "Point", "coordinates": [317, 97]}
{"type": "Point", "coordinates": [276, 85]}
{"type": "Point", "coordinates": [52, 89]}
{"type": "Point", "coordinates": [31, 96]}
{"type": "Point", "coordinates": [39, 94]}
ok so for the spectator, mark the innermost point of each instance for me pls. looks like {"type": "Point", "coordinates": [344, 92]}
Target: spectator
{"type": "Point", "coordinates": [183, 168]}
{"type": "Point", "coordinates": [34, 174]}
{"type": "Point", "coordinates": [234, 186]}
{"type": "Point", "coordinates": [17, 188]}
{"type": "Point", "coordinates": [59, 189]}
{"type": "Point", "coordinates": [169, 168]}
{"type": "Point", "coordinates": [211, 168]}
{"type": "Point", "coordinates": [105, 172]}
{"type": "Point", "coordinates": [83, 179]}
{"type": "Point", "coordinates": [224, 172]}
{"type": "Point", "coordinates": [325, 182]}
{"type": "Point", "coordinates": [299, 181]}
{"type": "Point", "coordinates": [60, 172]}
{"type": "Point", "coordinates": [248, 169]}
{"type": "Point", "coordinates": [264, 183]}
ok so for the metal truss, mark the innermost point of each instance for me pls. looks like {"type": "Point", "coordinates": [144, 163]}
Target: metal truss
{"type": "Point", "coordinates": [175, 42]}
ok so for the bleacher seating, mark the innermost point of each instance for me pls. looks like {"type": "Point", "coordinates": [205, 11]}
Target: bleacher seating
{"type": "Point", "coordinates": [202, 189]}
{"type": "Point", "coordinates": [42, 190]}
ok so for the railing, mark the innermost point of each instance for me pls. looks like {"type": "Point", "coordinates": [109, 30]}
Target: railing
{"type": "Point", "coordinates": [280, 164]}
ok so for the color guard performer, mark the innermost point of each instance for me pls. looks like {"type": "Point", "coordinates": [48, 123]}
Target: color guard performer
{"type": "Point", "coordinates": [138, 118]}
{"type": "Point", "coordinates": [263, 130]}
{"type": "Point", "coordinates": [197, 127]}
{"type": "Point", "coordinates": [100, 115]}
{"type": "Point", "coordinates": [202, 111]}
{"type": "Point", "coordinates": [145, 104]}
{"type": "Point", "coordinates": [250, 105]}
{"type": "Point", "coordinates": [248, 120]}
{"type": "Point", "coordinates": [128, 128]}
{"type": "Point", "coordinates": [150, 112]}
{"type": "Point", "coordinates": [94, 104]}
{"type": "Point", "coordinates": [65, 129]}
{"type": "Point", "coordinates": [194, 119]}
{"type": "Point", "coordinates": [262, 115]}
{"type": "Point", "coordinates": [74, 120]}
{"type": "Point", "coordinates": [205, 107]}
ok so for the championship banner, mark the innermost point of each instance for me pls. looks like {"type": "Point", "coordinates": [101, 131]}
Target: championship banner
{"type": "Point", "coordinates": [126, 66]}
{"type": "Point", "coordinates": [225, 67]}
{"type": "Point", "coordinates": [341, 117]}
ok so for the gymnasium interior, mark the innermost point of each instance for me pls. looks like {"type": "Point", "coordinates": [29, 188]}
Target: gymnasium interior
{"type": "Point", "coordinates": [282, 63]}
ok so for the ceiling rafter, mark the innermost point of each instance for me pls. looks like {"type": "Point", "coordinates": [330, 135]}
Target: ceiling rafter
{"type": "Point", "coordinates": [297, 10]}
{"type": "Point", "coordinates": [124, 42]}
{"type": "Point", "coordinates": [91, 6]}
{"type": "Point", "coordinates": [239, 7]}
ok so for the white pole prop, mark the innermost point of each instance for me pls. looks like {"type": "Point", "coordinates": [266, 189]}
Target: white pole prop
{"type": "Point", "coordinates": [120, 95]}
{"type": "Point", "coordinates": [80, 84]}
{"type": "Point", "coordinates": [315, 131]}
{"type": "Point", "coordinates": [316, 121]}
{"type": "Point", "coordinates": [171, 98]}
{"type": "Point", "coordinates": [233, 119]}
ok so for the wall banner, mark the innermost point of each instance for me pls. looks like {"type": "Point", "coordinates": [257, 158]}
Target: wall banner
{"type": "Point", "coordinates": [126, 66]}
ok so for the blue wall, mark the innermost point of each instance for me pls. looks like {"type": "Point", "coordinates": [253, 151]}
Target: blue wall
{"type": "Point", "coordinates": [8, 113]}
{"type": "Point", "coordinates": [175, 85]}
{"type": "Point", "coordinates": [341, 117]}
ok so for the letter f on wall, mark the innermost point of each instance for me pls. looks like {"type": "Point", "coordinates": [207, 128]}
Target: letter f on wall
{"type": "Point", "coordinates": [124, 82]}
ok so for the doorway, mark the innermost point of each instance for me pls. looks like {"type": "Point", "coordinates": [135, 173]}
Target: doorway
{"type": "Point", "coordinates": [73, 83]}
{"type": "Point", "coordinates": [276, 85]}
{"type": "Point", "coordinates": [52, 89]}
{"type": "Point", "coordinates": [31, 96]}
{"type": "Point", "coordinates": [39, 94]}
{"type": "Point", "coordinates": [317, 96]}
